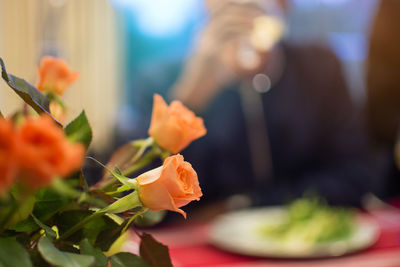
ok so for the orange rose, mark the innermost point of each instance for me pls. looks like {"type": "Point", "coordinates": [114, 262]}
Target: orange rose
{"type": "Point", "coordinates": [8, 166]}
{"type": "Point", "coordinates": [55, 76]}
{"type": "Point", "coordinates": [170, 186]}
{"type": "Point", "coordinates": [58, 111]}
{"type": "Point", "coordinates": [174, 127]}
{"type": "Point", "coordinates": [45, 152]}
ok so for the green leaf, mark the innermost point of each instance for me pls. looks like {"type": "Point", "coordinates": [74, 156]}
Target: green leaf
{"type": "Point", "coordinates": [79, 130]}
{"type": "Point", "coordinates": [47, 204]}
{"type": "Point", "coordinates": [24, 209]}
{"type": "Point", "coordinates": [122, 157]}
{"type": "Point", "coordinates": [125, 203]}
{"type": "Point", "coordinates": [12, 254]}
{"type": "Point", "coordinates": [49, 232]}
{"type": "Point", "coordinates": [37, 259]}
{"type": "Point", "coordinates": [154, 252]}
{"type": "Point", "coordinates": [67, 219]}
{"type": "Point", "coordinates": [102, 230]}
{"type": "Point", "coordinates": [93, 228]}
{"type": "Point", "coordinates": [150, 218]}
{"type": "Point", "coordinates": [125, 259]}
{"type": "Point", "coordinates": [25, 225]}
{"type": "Point", "coordinates": [83, 182]}
{"type": "Point", "coordinates": [107, 237]}
{"type": "Point", "coordinates": [63, 259]}
{"type": "Point", "coordinates": [123, 179]}
{"type": "Point", "coordinates": [117, 170]}
{"type": "Point", "coordinates": [87, 249]}
{"type": "Point", "coordinates": [66, 188]}
{"type": "Point", "coordinates": [126, 156]}
{"type": "Point", "coordinates": [32, 96]}
{"type": "Point", "coordinates": [62, 187]}
{"type": "Point", "coordinates": [121, 189]}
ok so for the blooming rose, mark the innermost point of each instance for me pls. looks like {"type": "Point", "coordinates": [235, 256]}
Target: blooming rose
{"type": "Point", "coordinates": [174, 127]}
{"type": "Point", "coordinates": [7, 155]}
{"type": "Point", "coordinates": [45, 152]}
{"type": "Point", "coordinates": [55, 76]}
{"type": "Point", "coordinates": [170, 186]}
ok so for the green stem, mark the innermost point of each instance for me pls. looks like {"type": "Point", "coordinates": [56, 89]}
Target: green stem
{"type": "Point", "coordinates": [79, 225]}
{"type": "Point", "coordinates": [86, 198]}
{"type": "Point", "coordinates": [144, 145]}
{"type": "Point", "coordinates": [132, 219]}
{"type": "Point", "coordinates": [109, 184]}
{"type": "Point", "coordinates": [25, 109]}
{"type": "Point", "coordinates": [65, 189]}
{"type": "Point", "coordinates": [143, 162]}
{"type": "Point", "coordinates": [139, 163]}
{"type": "Point", "coordinates": [123, 204]}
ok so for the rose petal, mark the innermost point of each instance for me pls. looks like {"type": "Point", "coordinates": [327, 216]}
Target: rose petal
{"type": "Point", "coordinates": [150, 176]}
{"type": "Point", "coordinates": [156, 197]}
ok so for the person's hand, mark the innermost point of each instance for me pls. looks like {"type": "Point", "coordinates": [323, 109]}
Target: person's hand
{"type": "Point", "coordinates": [227, 50]}
{"type": "Point", "coordinates": [225, 44]}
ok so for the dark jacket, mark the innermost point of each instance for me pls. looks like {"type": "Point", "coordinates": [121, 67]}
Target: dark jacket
{"type": "Point", "coordinates": [317, 138]}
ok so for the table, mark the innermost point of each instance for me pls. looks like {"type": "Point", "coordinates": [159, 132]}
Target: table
{"type": "Point", "coordinates": [189, 247]}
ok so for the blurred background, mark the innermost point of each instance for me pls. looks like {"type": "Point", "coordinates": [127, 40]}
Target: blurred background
{"type": "Point", "coordinates": [85, 34]}
{"type": "Point", "coordinates": [127, 50]}
{"type": "Point", "coordinates": [156, 36]}
{"type": "Point", "coordinates": [117, 44]}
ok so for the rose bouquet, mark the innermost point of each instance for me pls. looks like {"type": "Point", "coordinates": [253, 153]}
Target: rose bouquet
{"type": "Point", "coordinates": [50, 216]}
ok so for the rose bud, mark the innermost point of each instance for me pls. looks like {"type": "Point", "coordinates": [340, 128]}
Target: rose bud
{"type": "Point", "coordinates": [174, 127]}
{"type": "Point", "coordinates": [55, 76]}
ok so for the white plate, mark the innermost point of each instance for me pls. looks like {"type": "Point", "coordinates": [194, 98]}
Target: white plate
{"type": "Point", "coordinates": [238, 232]}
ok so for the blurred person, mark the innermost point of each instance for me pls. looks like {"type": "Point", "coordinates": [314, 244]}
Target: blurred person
{"type": "Point", "coordinates": [383, 88]}
{"type": "Point", "coordinates": [279, 115]}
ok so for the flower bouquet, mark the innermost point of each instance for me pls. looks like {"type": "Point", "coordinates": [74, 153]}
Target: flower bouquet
{"type": "Point", "coordinates": [50, 216]}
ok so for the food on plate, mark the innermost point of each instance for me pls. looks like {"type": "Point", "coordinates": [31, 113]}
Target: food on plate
{"type": "Point", "coordinates": [310, 221]}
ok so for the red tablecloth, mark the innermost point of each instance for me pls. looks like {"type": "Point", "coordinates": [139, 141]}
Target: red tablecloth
{"type": "Point", "coordinates": [189, 247]}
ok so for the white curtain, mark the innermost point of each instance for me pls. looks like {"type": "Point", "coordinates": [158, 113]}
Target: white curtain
{"type": "Point", "coordinates": [84, 33]}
